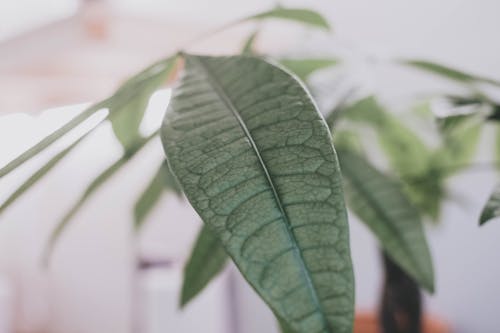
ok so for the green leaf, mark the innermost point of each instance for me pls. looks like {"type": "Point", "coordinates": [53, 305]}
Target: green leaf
{"type": "Point", "coordinates": [248, 47]}
{"type": "Point", "coordinates": [162, 181]}
{"type": "Point", "coordinates": [207, 260]}
{"type": "Point", "coordinates": [448, 72]}
{"type": "Point", "coordinates": [301, 15]}
{"type": "Point", "coordinates": [492, 208]}
{"type": "Point", "coordinates": [91, 189]}
{"type": "Point", "coordinates": [128, 104]}
{"type": "Point", "coordinates": [255, 160]}
{"type": "Point", "coordinates": [42, 171]}
{"type": "Point", "coordinates": [126, 99]}
{"type": "Point", "coordinates": [381, 204]}
{"type": "Point", "coordinates": [51, 138]}
{"type": "Point", "coordinates": [406, 152]}
{"type": "Point", "coordinates": [303, 68]}
{"type": "Point", "coordinates": [284, 327]}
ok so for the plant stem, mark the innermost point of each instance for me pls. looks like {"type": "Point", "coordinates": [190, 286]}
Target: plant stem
{"type": "Point", "coordinates": [401, 308]}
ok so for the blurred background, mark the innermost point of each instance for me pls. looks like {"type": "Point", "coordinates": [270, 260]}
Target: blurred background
{"type": "Point", "coordinates": [56, 56]}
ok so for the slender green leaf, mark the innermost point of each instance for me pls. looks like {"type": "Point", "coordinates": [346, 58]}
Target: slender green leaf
{"type": "Point", "coordinates": [380, 203]}
{"type": "Point", "coordinates": [248, 47]}
{"type": "Point", "coordinates": [301, 15]}
{"type": "Point", "coordinates": [207, 260]}
{"type": "Point", "coordinates": [255, 160]}
{"type": "Point", "coordinates": [91, 189]}
{"type": "Point", "coordinates": [449, 72]}
{"type": "Point", "coordinates": [51, 138]}
{"type": "Point", "coordinates": [42, 171]}
{"type": "Point", "coordinates": [492, 208]}
{"type": "Point", "coordinates": [303, 68]}
{"type": "Point", "coordinates": [128, 104]}
{"type": "Point", "coordinates": [162, 181]}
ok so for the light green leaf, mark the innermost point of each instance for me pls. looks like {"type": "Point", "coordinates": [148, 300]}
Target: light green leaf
{"type": "Point", "coordinates": [207, 260]}
{"type": "Point", "coordinates": [448, 72]}
{"type": "Point", "coordinates": [406, 152]}
{"type": "Point", "coordinates": [255, 160]}
{"type": "Point", "coordinates": [162, 181]}
{"type": "Point", "coordinates": [128, 104]}
{"type": "Point", "coordinates": [303, 68]}
{"type": "Point", "coordinates": [492, 208]}
{"type": "Point", "coordinates": [381, 204]}
{"type": "Point", "coordinates": [248, 47]}
{"type": "Point", "coordinates": [51, 138]}
{"type": "Point", "coordinates": [42, 171]}
{"type": "Point", "coordinates": [301, 15]}
{"type": "Point", "coordinates": [123, 99]}
{"type": "Point", "coordinates": [91, 189]}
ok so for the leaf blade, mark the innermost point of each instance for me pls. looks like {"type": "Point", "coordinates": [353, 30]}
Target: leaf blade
{"type": "Point", "coordinates": [382, 205]}
{"type": "Point", "coordinates": [208, 258]}
{"type": "Point", "coordinates": [200, 144]}
{"type": "Point", "coordinates": [301, 15]}
{"type": "Point", "coordinates": [303, 68]}
{"type": "Point", "coordinates": [492, 208]}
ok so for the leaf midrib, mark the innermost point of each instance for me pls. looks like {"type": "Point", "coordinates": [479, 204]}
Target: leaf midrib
{"type": "Point", "coordinates": [229, 104]}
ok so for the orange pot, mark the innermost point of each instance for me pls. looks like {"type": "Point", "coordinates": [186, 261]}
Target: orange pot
{"type": "Point", "coordinates": [367, 322]}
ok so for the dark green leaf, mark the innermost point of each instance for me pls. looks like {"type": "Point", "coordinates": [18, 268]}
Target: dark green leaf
{"type": "Point", "coordinates": [207, 260]}
{"type": "Point", "coordinates": [162, 181]}
{"type": "Point", "coordinates": [303, 68]}
{"type": "Point", "coordinates": [380, 203]}
{"type": "Point", "coordinates": [301, 15]}
{"type": "Point", "coordinates": [492, 208]}
{"type": "Point", "coordinates": [448, 72]}
{"type": "Point", "coordinates": [255, 160]}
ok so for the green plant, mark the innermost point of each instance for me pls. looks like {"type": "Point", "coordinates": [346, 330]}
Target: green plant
{"type": "Point", "coordinates": [254, 156]}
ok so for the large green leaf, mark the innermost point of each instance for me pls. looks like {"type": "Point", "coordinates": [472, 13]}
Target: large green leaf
{"type": "Point", "coordinates": [381, 204]}
{"type": "Point", "coordinates": [162, 181]}
{"type": "Point", "coordinates": [449, 72]}
{"type": "Point", "coordinates": [301, 15]}
{"type": "Point", "coordinates": [492, 208]}
{"type": "Point", "coordinates": [303, 68]}
{"type": "Point", "coordinates": [207, 260]}
{"type": "Point", "coordinates": [255, 159]}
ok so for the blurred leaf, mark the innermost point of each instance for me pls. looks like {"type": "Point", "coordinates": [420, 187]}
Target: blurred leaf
{"type": "Point", "coordinates": [208, 258]}
{"type": "Point", "coordinates": [267, 183]}
{"type": "Point", "coordinates": [303, 68]}
{"type": "Point", "coordinates": [348, 140]}
{"type": "Point", "coordinates": [492, 208]}
{"type": "Point", "coordinates": [162, 181]}
{"type": "Point", "coordinates": [381, 204]}
{"type": "Point", "coordinates": [42, 171]}
{"type": "Point", "coordinates": [426, 191]}
{"type": "Point", "coordinates": [134, 88]}
{"type": "Point", "coordinates": [128, 104]}
{"type": "Point", "coordinates": [248, 47]}
{"type": "Point", "coordinates": [406, 152]}
{"type": "Point", "coordinates": [51, 138]}
{"type": "Point", "coordinates": [301, 15]}
{"type": "Point", "coordinates": [448, 72]}
{"type": "Point", "coordinates": [91, 189]}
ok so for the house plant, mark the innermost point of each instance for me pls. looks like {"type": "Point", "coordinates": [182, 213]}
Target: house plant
{"type": "Point", "coordinates": [392, 217]}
